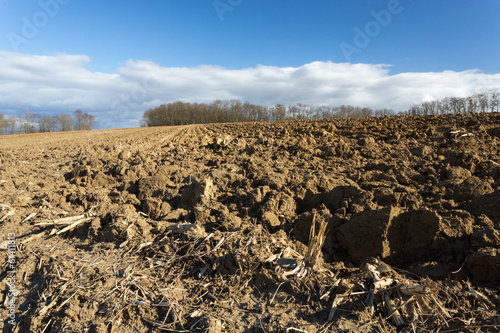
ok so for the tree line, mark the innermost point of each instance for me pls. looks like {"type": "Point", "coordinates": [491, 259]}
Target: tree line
{"type": "Point", "coordinates": [30, 122]}
{"type": "Point", "coordinates": [477, 103]}
{"type": "Point", "coordinates": [234, 110]}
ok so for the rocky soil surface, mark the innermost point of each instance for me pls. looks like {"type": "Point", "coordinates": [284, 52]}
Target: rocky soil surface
{"type": "Point", "coordinates": [199, 228]}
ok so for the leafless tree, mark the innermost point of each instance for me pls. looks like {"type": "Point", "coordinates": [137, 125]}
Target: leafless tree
{"type": "Point", "coordinates": [65, 122]}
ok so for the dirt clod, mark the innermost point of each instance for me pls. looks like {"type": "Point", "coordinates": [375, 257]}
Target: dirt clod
{"type": "Point", "coordinates": [200, 228]}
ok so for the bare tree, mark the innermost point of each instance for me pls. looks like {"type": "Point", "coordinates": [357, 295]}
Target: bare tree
{"type": "Point", "coordinates": [28, 122]}
{"type": "Point", "coordinates": [83, 121]}
{"type": "Point", "coordinates": [45, 123]}
{"type": "Point", "coordinates": [472, 104]}
{"type": "Point", "coordinates": [11, 123]}
{"type": "Point", "coordinates": [66, 122]}
{"type": "Point", "coordinates": [482, 102]}
{"type": "Point", "coordinates": [3, 124]}
{"type": "Point", "coordinates": [495, 101]}
{"type": "Point", "coordinates": [88, 121]}
{"type": "Point", "coordinates": [78, 120]}
{"type": "Point", "coordinates": [383, 112]}
{"type": "Point", "coordinates": [278, 112]}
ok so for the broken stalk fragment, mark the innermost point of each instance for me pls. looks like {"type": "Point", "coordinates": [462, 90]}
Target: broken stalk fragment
{"type": "Point", "coordinates": [393, 312]}
{"type": "Point", "coordinates": [416, 290]}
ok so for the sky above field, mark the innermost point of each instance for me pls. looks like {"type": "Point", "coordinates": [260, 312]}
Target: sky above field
{"type": "Point", "coordinates": [115, 59]}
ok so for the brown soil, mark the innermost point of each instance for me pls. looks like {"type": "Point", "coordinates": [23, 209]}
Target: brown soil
{"type": "Point", "coordinates": [421, 194]}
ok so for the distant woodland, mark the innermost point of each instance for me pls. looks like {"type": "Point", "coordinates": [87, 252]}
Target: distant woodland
{"type": "Point", "coordinates": [478, 103]}
{"type": "Point", "coordinates": [222, 111]}
{"type": "Point", "coordinates": [36, 123]}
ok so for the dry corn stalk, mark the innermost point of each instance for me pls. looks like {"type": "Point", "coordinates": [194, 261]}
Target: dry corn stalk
{"type": "Point", "coordinates": [422, 289]}
{"type": "Point", "coordinates": [411, 309]}
{"type": "Point", "coordinates": [29, 217]}
{"type": "Point", "coordinates": [7, 215]}
{"type": "Point", "coordinates": [190, 229]}
{"type": "Point", "coordinates": [378, 282]}
{"type": "Point", "coordinates": [480, 297]}
{"type": "Point", "coordinates": [316, 241]}
{"type": "Point", "coordinates": [336, 302]}
{"type": "Point", "coordinates": [369, 302]}
{"type": "Point", "coordinates": [443, 310]}
{"type": "Point", "coordinates": [61, 221]}
{"type": "Point", "coordinates": [73, 225]}
{"type": "Point", "coordinates": [392, 310]}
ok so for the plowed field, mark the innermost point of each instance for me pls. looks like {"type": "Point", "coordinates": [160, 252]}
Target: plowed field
{"type": "Point", "coordinates": [199, 228]}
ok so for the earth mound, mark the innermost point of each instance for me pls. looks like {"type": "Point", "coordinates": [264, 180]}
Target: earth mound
{"type": "Point", "coordinates": [214, 228]}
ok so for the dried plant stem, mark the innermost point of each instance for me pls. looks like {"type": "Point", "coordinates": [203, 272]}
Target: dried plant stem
{"type": "Point", "coordinates": [71, 226]}
{"type": "Point", "coordinates": [7, 215]}
{"type": "Point", "coordinates": [316, 242]}
{"type": "Point", "coordinates": [392, 310]}
{"type": "Point", "coordinates": [416, 290]}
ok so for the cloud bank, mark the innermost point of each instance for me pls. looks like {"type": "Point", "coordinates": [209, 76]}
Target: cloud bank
{"type": "Point", "coordinates": [62, 83]}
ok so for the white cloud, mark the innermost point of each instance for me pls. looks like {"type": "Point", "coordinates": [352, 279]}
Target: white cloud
{"type": "Point", "coordinates": [62, 83]}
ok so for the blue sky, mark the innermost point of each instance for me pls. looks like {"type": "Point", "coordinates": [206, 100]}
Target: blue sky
{"type": "Point", "coordinates": [144, 53]}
